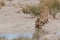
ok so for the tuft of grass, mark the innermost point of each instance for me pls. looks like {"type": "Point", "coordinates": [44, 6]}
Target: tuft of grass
{"type": "Point", "coordinates": [2, 3]}
{"type": "Point", "coordinates": [55, 9]}
{"type": "Point", "coordinates": [32, 9]}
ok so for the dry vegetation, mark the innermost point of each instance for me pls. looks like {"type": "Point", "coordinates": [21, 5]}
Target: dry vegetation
{"type": "Point", "coordinates": [54, 7]}
{"type": "Point", "coordinates": [32, 9]}
{"type": "Point", "coordinates": [2, 3]}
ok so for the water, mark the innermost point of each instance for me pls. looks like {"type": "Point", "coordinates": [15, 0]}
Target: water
{"type": "Point", "coordinates": [11, 36]}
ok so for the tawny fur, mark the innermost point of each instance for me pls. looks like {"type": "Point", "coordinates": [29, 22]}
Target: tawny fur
{"type": "Point", "coordinates": [43, 17]}
{"type": "Point", "coordinates": [53, 6]}
{"type": "Point", "coordinates": [46, 8]}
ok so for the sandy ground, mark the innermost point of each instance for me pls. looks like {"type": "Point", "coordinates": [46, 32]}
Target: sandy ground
{"type": "Point", "coordinates": [13, 22]}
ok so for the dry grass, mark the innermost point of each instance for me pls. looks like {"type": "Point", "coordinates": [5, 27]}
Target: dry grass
{"type": "Point", "coordinates": [2, 3]}
{"type": "Point", "coordinates": [54, 8]}
{"type": "Point", "coordinates": [32, 9]}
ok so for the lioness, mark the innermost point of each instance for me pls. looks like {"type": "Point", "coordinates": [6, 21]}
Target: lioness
{"type": "Point", "coordinates": [47, 7]}
{"type": "Point", "coordinates": [43, 17]}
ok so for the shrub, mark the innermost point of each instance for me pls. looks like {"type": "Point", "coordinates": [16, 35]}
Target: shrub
{"type": "Point", "coordinates": [32, 9]}
{"type": "Point", "coordinates": [2, 3]}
